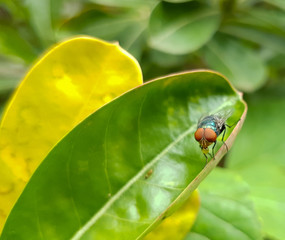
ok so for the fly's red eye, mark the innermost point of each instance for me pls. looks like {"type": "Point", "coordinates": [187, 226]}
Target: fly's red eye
{"type": "Point", "coordinates": [199, 134]}
{"type": "Point", "coordinates": [210, 135]}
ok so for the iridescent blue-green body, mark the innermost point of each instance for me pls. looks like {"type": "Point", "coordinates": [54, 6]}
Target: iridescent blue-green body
{"type": "Point", "coordinates": [213, 122]}
{"type": "Point", "coordinates": [208, 129]}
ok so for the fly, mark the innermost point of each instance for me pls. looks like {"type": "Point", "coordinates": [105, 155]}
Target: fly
{"type": "Point", "coordinates": [209, 128]}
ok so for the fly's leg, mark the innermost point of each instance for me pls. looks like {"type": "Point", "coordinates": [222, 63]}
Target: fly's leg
{"type": "Point", "coordinates": [213, 153]}
{"type": "Point", "coordinates": [224, 132]}
{"type": "Point", "coordinates": [206, 159]}
{"type": "Point", "coordinates": [230, 126]}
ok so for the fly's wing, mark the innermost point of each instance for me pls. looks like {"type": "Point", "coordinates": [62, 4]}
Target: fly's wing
{"type": "Point", "coordinates": [221, 117]}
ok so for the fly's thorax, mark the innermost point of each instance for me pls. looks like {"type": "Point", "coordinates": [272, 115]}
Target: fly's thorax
{"type": "Point", "coordinates": [211, 126]}
{"type": "Point", "coordinates": [208, 122]}
{"type": "Point", "coordinates": [215, 122]}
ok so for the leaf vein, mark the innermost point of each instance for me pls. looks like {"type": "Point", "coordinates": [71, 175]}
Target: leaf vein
{"type": "Point", "coordinates": [161, 186]}
{"type": "Point", "coordinates": [70, 187]}
{"type": "Point", "coordinates": [225, 221]}
{"type": "Point", "coordinates": [139, 132]}
{"type": "Point", "coordinates": [125, 219]}
{"type": "Point", "coordinates": [106, 154]}
{"type": "Point", "coordinates": [109, 203]}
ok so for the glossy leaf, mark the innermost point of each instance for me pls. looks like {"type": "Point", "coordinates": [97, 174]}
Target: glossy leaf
{"type": "Point", "coordinates": [125, 27]}
{"type": "Point", "coordinates": [258, 157]}
{"type": "Point", "coordinates": [227, 211]}
{"type": "Point", "coordinates": [272, 19]}
{"type": "Point", "coordinates": [264, 27]}
{"type": "Point", "coordinates": [71, 81]}
{"type": "Point", "coordinates": [182, 28]}
{"type": "Point", "coordinates": [125, 3]}
{"type": "Point", "coordinates": [238, 62]}
{"type": "Point", "coordinates": [128, 166]}
{"type": "Point", "coordinates": [10, 74]}
{"type": "Point", "coordinates": [178, 224]}
{"type": "Point", "coordinates": [43, 15]}
{"type": "Point", "coordinates": [166, 60]}
{"type": "Point", "coordinates": [177, 1]}
{"type": "Point", "coordinates": [13, 44]}
{"type": "Point", "coordinates": [277, 3]}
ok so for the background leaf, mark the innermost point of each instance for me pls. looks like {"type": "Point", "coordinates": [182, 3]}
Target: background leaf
{"type": "Point", "coordinates": [13, 44]}
{"type": "Point", "coordinates": [177, 1]}
{"type": "Point", "coordinates": [262, 26]}
{"type": "Point", "coordinates": [277, 3]}
{"type": "Point", "coordinates": [178, 224]}
{"type": "Point", "coordinates": [123, 26]}
{"type": "Point", "coordinates": [96, 182]}
{"type": "Point", "coordinates": [227, 211]}
{"type": "Point", "coordinates": [182, 28]}
{"type": "Point", "coordinates": [259, 158]}
{"type": "Point", "coordinates": [71, 81]}
{"type": "Point", "coordinates": [125, 3]}
{"type": "Point", "coordinates": [236, 61]}
{"type": "Point", "coordinates": [41, 15]}
{"type": "Point", "coordinates": [10, 72]}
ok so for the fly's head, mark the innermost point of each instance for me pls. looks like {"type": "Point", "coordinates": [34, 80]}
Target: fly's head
{"type": "Point", "coordinates": [205, 137]}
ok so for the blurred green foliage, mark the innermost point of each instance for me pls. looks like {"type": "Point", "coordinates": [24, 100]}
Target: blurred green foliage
{"type": "Point", "coordinates": [165, 36]}
{"type": "Point", "coordinates": [227, 208]}
{"type": "Point", "coordinates": [243, 39]}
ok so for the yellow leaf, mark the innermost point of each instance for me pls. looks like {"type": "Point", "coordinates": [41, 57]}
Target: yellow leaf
{"type": "Point", "coordinates": [178, 224]}
{"type": "Point", "coordinates": [67, 84]}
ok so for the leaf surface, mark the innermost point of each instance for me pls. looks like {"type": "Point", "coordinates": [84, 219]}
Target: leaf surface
{"type": "Point", "coordinates": [125, 27]}
{"type": "Point", "coordinates": [182, 28]}
{"type": "Point", "coordinates": [71, 81]}
{"type": "Point", "coordinates": [178, 224]}
{"type": "Point", "coordinates": [277, 3]}
{"type": "Point", "coordinates": [125, 3]}
{"type": "Point", "coordinates": [13, 44]}
{"type": "Point", "coordinates": [227, 211]}
{"type": "Point", "coordinates": [127, 166]}
{"type": "Point", "coordinates": [10, 74]}
{"type": "Point", "coordinates": [177, 1]}
{"type": "Point", "coordinates": [258, 157]}
{"type": "Point", "coordinates": [264, 27]}
{"type": "Point", "coordinates": [43, 16]}
{"type": "Point", "coordinates": [238, 62]}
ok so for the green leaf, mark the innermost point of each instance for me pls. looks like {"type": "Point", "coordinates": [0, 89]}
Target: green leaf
{"type": "Point", "coordinates": [241, 64]}
{"type": "Point", "coordinates": [264, 27]}
{"type": "Point", "coordinates": [13, 44]}
{"type": "Point", "coordinates": [125, 3]}
{"type": "Point", "coordinates": [277, 3]}
{"type": "Point", "coordinates": [177, 1]}
{"type": "Point", "coordinates": [126, 167]}
{"type": "Point", "coordinates": [66, 85]}
{"type": "Point", "coordinates": [178, 224]}
{"type": "Point", "coordinates": [272, 19]}
{"type": "Point", "coordinates": [43, 16]}
{"type": "Point", "coordinates": [227, 211]}
{"type": "Point", "coordinates": [182, 28]}
{"type": "Point", "coordinates": [166, 60]}
{"type": "Point", "coordinates": [10, 74]}
{"type": "Point", "coordinates": [258, 157]}
{"type": "Point", "coordinates": [125, 27]}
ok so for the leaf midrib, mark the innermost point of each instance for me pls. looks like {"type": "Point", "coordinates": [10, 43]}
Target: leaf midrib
{"type": "Point", "coordinates": [180, 24]}
{"type": "Point", "coordinates": [116, 196]}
